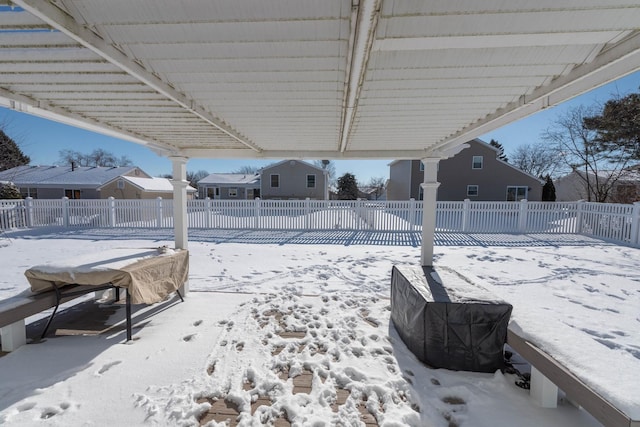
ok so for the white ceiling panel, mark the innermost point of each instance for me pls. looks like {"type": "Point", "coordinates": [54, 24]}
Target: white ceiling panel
{"type": "Point", "coordinates": [307, 78]}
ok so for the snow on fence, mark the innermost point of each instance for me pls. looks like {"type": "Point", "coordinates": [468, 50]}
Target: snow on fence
{"type": "Point", "coordinates": [610, 221]}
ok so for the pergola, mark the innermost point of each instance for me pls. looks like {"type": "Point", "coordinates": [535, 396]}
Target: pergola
{"type": "Point", "coordinates": [307, 79]}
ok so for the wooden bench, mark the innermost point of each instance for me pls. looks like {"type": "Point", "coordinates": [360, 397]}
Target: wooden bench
{"type": "Point", "coordinates": [548, 375]}
{"type": "Point", "coordinates": [14, 311]}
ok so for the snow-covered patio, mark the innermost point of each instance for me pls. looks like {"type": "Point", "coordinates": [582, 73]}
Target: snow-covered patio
{"type": "Point", "coordinates": [227, 342]}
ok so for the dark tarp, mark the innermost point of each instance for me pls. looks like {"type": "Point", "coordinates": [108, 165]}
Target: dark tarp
{"type": "Point", "coordinates": [445, 328]}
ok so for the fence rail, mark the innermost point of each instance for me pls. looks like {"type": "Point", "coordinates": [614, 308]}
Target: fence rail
{"type": "Point", "coordinates": [609, 221]}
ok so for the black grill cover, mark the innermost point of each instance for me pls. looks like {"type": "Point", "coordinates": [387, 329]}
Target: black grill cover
{"type": "Point", "coordinates": [459, 328]}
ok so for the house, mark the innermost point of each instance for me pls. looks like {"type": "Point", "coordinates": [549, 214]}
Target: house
{"type": "Point", "coordinates": [605, 186]}
{"type": "Point", "coordinates": [55, 182]}
{"type": "Point", "coordinates": [294, 179]}
{"type": "Point", "coordinates": [476, 173]}
{"type": "Point", "coordinates": [232, 186]}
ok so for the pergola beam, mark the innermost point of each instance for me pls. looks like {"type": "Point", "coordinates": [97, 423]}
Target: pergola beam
{"type": "Point", "coordinates": [61, 21]}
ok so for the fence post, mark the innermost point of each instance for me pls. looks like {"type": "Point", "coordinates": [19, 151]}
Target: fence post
{"type": "Point", "coordinates": [579, 214]}
{"type": "Point", "coordinates": [29, 211]}
{"type": "Point", "coordinates": [522, 216]}
{"type": "Point", "coordinates": [635, 224]}
{"type": "Point", "coordinates": [208, 212]}
{"type": "Point", "coordinates": [307, 214]}
{"type": "Point", "coordinates": [111, 211]}
{"type": "Point", "coordinates": [466, 207]}
{"type": "Point", "coordinates": [256, 210]}
{"type": "Point", "coordinates": [65, 211]}
{"type": "Point", "coordinates": [158, 212]}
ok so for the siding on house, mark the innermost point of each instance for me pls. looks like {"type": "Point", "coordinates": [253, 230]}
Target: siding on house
{"type": "Point", "coordinates": [293, 180]}
{"type": "Point", "coordinates": [495, 180]}
{"type": "Point", "coordinates": [223, 186]}
{"type": "Point", "coordinates": [56, 182]}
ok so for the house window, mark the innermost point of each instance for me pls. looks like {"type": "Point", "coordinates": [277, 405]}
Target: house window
{"type": "Point", "coordinates": [515, 193]}
{"type": "Point", "coordinates": [72, 194]}
{"type": "Point", "coordinates": [275, 181]}
{"type": "Point", "coordinates": [233, 192]}
{"type": "Point", "coordinates": [121, 184]}
{"type": "Point", "coordinates": [29, 192]}
{"type": "Point", "coordinates": [472, 190]}
{"type": "Point", "coordinates": [477, 162]}
{"type": "Point", "coordinates": [311, 181]}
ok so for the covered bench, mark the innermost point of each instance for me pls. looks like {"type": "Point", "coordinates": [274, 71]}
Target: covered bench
{"type": "Point", "coordinates": [148, 276]}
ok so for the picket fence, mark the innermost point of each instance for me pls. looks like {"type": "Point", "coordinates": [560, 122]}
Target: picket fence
{"type": "Point", "coordinates": [615, 222]}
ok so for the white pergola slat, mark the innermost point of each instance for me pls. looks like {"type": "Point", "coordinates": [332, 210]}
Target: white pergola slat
{"type": "Point", "coordinates": [334, 79]}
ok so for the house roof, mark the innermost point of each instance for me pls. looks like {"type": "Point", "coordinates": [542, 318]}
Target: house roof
{"type": "Point", "coordinates": [630, 176]}
{"type": "Point", "coordinates": [308, 79]}
{"type": "Point", "coordinates": [154, 184]}
{"type": "Point", "coordinates": [56, 176]}
{"type": "Point", "coordinates": [230, 178]}
{"type": "Point", "coordinates": [301, 162]}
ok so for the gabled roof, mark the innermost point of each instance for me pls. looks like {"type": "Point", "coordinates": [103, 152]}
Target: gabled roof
{"type": "Point", "coordinates": [56, 176]}
{"type": "Point", "coordinates": [230, 178]}
{"type": "Point", "coordinates": [622, 176]}
{"type": "Point", "coordinates": [300, 162]}
{"type": "Point", "coordinates": [152, 185]}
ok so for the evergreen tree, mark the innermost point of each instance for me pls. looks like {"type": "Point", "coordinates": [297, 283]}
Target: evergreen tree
{"type": "Point", "coordinates": [347, 187]}
{"type": "Point", "coordinates": [495, 144]}
{"type": "Point", "coordinates": [9, 191]}
{"type": "Point", "coordinates": [548, 190]}
{"type": "Point", "coordinates": [10, 154]}
{"type": "Point", "coordinates": [618, 126]}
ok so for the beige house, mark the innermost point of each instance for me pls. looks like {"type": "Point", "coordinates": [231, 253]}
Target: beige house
{"type": "Point", "coordinates": [476, 173]}
{"type": "Point", "coordinates": [294, 179]}
{"type": "Point", "coordinates": [56, 182]}
{"type": "Point", "coordinates": [606, 186]}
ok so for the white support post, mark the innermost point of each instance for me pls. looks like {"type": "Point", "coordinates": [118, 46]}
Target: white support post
{"type": "Point", "coordinates": [256, 213]}
{"type": "Point", "coordinates": [13, 335]}
{"type": "Point", "coordinates": [180, 220]}
{"type": "Point", "coordinates": [208, 213]}
{"type": "Point", "coordinates": [543, 392]}
{"type": "Point", "coordinates": [579, 216]}
{"type": "Point", "coordinates": [429, 193]}
{"type": "Point", "coordinates": [307, 214]}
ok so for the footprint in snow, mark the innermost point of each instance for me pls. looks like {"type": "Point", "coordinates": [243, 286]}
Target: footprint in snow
{"type": "Point", "coordinates": [108, 366]}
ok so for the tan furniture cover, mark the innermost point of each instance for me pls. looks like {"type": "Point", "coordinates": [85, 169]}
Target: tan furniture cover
{"type": "Point", "coordinates": [149, 275]}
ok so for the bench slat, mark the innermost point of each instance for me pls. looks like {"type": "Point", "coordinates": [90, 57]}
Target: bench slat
{"type": "Point", "coordinates": [20, 307]}
{"type": "Point", "coordinates": [601, 409]}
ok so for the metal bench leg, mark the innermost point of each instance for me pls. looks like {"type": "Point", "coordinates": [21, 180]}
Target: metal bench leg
{"type": "Point", "coordinates": [179, 294]}
{"type": "Point", "coordinates": [128, 314]}
{"type": "Point", "coordinates": [55, 309]}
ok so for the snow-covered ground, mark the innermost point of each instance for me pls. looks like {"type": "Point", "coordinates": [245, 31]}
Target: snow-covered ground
{"type": "Point", "coordinates": [578, 297]}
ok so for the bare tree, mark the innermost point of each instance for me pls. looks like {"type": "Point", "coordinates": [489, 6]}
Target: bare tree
{"type": "Point", "coordinates": [194, 177]}
{"type": "Point", "coordinates": [377, 184]}
{"type": "Point", "coordinates": [538, 159]}
{"type": "Point", "coordinates": [330, 167]}
{"type": "Point", "coordinates": [96, 158]}
{"type": "Point", "coordinates": [247, 170]}
{"type": "Point", "coordinates": [598, 166]}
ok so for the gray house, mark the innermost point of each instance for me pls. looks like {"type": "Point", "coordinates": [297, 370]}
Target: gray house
{"type": "Point", "coordinates": [56, 182]}
{"type": "Point", "coordinates": [475, 173]}
{"type": "Point", "coordinates": [229, 186]}
{"type": "Point", "coordinates": [294, 179]}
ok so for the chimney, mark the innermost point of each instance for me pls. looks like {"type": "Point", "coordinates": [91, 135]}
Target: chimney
{"type": "Point", "coordinates": [73, 166]}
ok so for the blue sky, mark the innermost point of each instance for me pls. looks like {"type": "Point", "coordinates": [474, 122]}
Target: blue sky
{"type": "Point", "coordinates": [42, 139]}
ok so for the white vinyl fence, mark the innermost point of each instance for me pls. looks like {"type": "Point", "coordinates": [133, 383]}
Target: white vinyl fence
{"type": "Point", "coordinates": [609, 221]}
